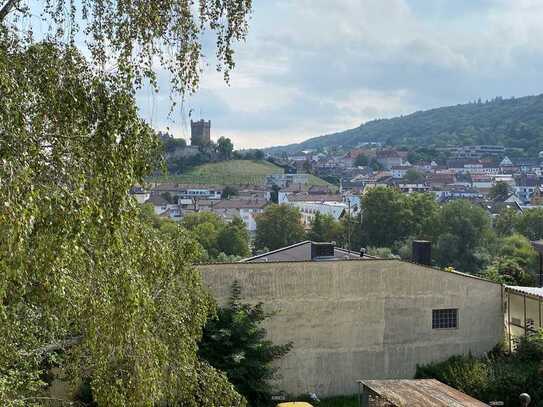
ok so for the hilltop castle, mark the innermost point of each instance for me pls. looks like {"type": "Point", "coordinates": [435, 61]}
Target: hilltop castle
{"type": "Point", "coordinates": [200, 133]}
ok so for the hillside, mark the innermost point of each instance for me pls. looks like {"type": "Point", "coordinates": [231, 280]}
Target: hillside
{"type": "Point", "coordinates": [232, 172]}
{"type": "Point", "coordinates": [516, 123]}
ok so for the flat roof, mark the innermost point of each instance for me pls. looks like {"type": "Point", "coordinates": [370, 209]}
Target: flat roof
{"type": "Point", "coordinates": [420, 393]}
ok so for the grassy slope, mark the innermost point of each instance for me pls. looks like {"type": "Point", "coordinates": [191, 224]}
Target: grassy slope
{"type": "Point", "coordinates": [233, 172]}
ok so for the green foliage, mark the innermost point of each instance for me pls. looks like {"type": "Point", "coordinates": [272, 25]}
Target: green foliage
{"type": "Point", "coordinates": [229, 191]}
{"type": "Point", "coordinates": [496, 377]}
{"type": "Point", "coordinates": [216, 236]}
{"type": "Point", "coordinates": [390, 217]}
{"type": "Point", "coordinates": [361, 161]}
{"type": "Point", "coordinates": [324, 228]}
{"type": "Point", "coordinates": [278, 226]}
{"type": "Point", "coordinates": [414, 177]}
{"type": "Point", "coordinates": [385, 217]}
{"type": "Point", "coordinates": [499, 191]}
{"type": "Point", "coordinates": [515, 123]}
{"type": "Point", "coordinates": [168, 37]}
{"type": "Point", "coordinates": [233, 239]}
{"type": "Point", "coordinates": [424, 211]}
{"type": "Point", "coordinates": [80, 271]}
{"type": "Point", "coordinates": [382, 252]}
{"type": "Point", "coordinates": [515, 263]}
{"type": "Point", "coordinates": [530, 224]}
{"type": "Point", "coordinates": [508, 271]}
{"type": "Point", "coordinates": [234, 342]}
{"type": "Point", "coordinates": [225, 148]}
{"type": "Point", "coordinates": [464, 229]}
{"type": "Point", "coordinates": [505, 222]}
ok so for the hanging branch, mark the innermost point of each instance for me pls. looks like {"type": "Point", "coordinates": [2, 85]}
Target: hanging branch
{"type": "Point", "coordinates": [6, 8]}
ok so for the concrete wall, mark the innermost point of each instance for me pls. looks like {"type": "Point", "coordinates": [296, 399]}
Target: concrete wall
{"type": "Point", "coordinates": [369, 319]}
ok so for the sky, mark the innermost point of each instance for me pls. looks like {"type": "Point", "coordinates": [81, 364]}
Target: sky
{"type": "Point", "coordinates": [314, 67]}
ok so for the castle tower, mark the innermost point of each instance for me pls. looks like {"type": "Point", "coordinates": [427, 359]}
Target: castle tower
{"type": "Point", "coordinates": [200, 133]}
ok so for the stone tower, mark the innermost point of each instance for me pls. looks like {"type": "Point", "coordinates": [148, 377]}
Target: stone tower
{"type": "Point", "coordinates": [200, 133]}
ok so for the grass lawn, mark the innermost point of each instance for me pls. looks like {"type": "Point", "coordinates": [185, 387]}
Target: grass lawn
{"type": "Point", "coordinates": [233, 172]}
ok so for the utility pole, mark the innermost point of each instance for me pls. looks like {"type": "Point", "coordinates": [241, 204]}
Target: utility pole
{"type": "Point", "coordinates": [349, 226]}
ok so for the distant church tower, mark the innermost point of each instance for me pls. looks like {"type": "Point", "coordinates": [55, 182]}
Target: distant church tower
{"type": "Point", "coordinates": [200, 133]}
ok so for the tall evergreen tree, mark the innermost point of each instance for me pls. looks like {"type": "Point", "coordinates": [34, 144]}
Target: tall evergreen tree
{"type": "Point", "coordinates": [235, 342]}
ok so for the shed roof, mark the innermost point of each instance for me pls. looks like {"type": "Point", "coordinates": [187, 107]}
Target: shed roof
{"type": "Point", "coordinates": [534, 291]}
{"type": "Point", "coordinates": [420, 393]}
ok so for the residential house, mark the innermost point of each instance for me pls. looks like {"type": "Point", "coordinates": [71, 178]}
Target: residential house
{"type": "Point", "coordinates": [525, 187]}
{"type": "Point", "coordinates": [400, 171]}
{"type": "Point", "coordinates": [140, 194]}
{"type": "Point", "coordinates": [165, 209]}
{"type": "Point", "coordinates": [392, 158]}
{"type": "Point", "coordinates": [308, 251]}
{"type": "Point", "coordinates": [308, 209]}
{"type": "Point", "coordinates": [246, 209]}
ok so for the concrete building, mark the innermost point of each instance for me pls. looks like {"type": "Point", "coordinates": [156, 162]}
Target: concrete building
{"type": "Point", "coordinates": [200, 133]}
{"type": "Point", "coordinates": [308, 209]}
{"type": "Point", "coordinates": [371, 319]}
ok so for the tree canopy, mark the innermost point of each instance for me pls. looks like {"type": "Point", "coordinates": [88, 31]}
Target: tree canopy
{"type": "Point", "coordinates": [278, 226]}
{"type": "Point", "coordinates": [81, 274]}
{"type": "Point", "coordinates": [324, 228]}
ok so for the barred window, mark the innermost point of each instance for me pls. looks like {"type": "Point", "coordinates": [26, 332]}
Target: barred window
{"type": "Point", "coordinates": [445, 318]}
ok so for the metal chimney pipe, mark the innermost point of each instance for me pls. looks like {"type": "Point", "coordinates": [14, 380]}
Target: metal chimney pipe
{"type": "Point", "coordinates": [422, 252]}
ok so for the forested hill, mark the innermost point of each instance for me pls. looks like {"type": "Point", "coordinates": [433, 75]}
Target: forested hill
{"type": "Point", "coordinates": [514, 123]}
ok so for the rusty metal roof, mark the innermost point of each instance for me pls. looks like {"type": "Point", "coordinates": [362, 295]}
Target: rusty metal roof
{"type": "Point", "coordinates": [420, 393]}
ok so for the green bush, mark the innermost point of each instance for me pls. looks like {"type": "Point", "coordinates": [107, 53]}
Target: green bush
{"type": "Point", "coordinates": [497, 376]}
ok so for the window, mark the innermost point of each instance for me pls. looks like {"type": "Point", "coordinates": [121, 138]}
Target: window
{"type": "Point", "coordinates": [445, 318]}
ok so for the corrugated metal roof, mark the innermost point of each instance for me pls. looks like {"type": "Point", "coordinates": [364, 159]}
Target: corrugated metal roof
{"type": "Point", "coordinates": [420, 393]}
{"type": "Point", "coordinates": [535, 291]}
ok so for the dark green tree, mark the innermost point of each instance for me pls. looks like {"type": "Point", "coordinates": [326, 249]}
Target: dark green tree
{"type": "Point", "coordinates": [233, 239]}
{"type": "Point", "coordinates": [505, 222]}
{"type": "Point", "coordinates": [424, 215]}
{"type": "Point", "coordinates": [361, 160]}
{"type": "Point", "coordinates": [386, 218]}
{"type": "Point", "coordinates": [414, 177]}
{"type": "Point", "coordinates": [324, 228]}
{"type": "Point", "coordinates": [499, 191]}
{"type": "Point", "coordinates": [530, 223]}
{"type": "Point", "coordinates": [464, 230]}
{"type": "Point", "coordinates": [235, 343]}
{"type": "Point", "coordinates": [225, 148]}
{"type": "Point", "coordinates": [229, 191]}
{"type": "Point", "coordinates": [278, 226]}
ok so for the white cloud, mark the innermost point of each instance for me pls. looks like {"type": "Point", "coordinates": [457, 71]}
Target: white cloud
{"type": "Point", "coordinates": [312, 67]}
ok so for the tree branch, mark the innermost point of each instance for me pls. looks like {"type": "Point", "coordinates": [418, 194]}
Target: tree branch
{"type": "Point", "coordinates": [56, 346]}
{"type": "Point", "coordinates": [6, 8]}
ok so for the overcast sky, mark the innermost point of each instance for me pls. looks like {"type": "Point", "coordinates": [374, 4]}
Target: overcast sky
{"type": "Point", "coordinates": [312, 67]}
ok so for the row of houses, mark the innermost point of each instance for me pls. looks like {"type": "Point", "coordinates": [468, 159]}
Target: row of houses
{"type": "Point", "coordinates": [174, 201]}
